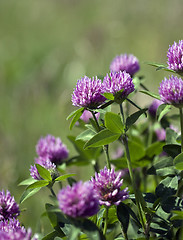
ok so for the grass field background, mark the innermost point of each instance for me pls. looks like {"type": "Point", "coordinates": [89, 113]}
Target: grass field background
{"type": "Point", "coordinates": [45, 46]}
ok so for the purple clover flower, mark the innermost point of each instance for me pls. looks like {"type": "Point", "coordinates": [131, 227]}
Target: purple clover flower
{"type": "Point", "coordinates": [46, 163]}
{"type": "Point", "coordinates": [108, 184]}
{"type": "Point", "coordinates": [52, 148]}
{"type": "Point", "coordinates": [115, 82]}
{"type": "Point", "coordinates": [160, 134]}
{"type": "Point", "coordinates": [125, 62]}
{"type": "Point", "coordinates": [88, 93]}
{"type": "Point", "coordinates": [154, 107]}
{"type": "Point", "coordinates": [175, 56]}
{"type": "Point", "coordinates": [8, 207]}
{"type": "Point", "coordinates": [12, 230]}
{"type": "Point", "coordinates": [171, 91]}
{"type": "Point", "coordinates": [80, 200]}
{"type": "Point", "coordinates": [87, 115]}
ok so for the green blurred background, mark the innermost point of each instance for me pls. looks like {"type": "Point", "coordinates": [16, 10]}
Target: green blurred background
{"type": "Point", "coordinates": [45, 46]}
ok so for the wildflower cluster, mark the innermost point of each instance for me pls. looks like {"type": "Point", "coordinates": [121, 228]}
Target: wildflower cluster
{"type": "Point", "coordinates": [131, 193]}
{"type": "Point", "coordinates": [171, 89]}
{"type": "Point", "coordinates": [10, 227]}
{"type": "Point", "coordinates": [51, 152]}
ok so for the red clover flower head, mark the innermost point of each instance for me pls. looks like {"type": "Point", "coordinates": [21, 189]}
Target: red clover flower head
{"type": "Point", "coordinates": [12, 230]}
{"type": "Point", "coordinates": [53, 148]}
{"type": "Point", "coordinates": [175, 56]}
{"type": "Point", "coordinates": [46, 163]}
{"type": "Point", "coordinates": [108, 184]}
{"type": "Point", "coordinates": [125, 62]}
{"type": "Point", "coordinates": [171, 91]}
{"type": "Point", "coordinates": [88, 93]}
{"type": "Point", "coordinates": [80, 200]}
{"type": "Point", "coordinates": [118, 81]}
{"type": "Point", "coordinates": [8, 207]}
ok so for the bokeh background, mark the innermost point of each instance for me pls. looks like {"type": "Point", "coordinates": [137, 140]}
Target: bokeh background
{"type": "Point", "coordinates": [45, 46]}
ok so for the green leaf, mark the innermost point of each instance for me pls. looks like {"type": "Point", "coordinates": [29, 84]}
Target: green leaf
{"type": "Point", "coordinates": [112, 215]}
{"type": "Point", "coordinates": [123, 216]}
{"type": "Point", "coordinates": [64, 177]}
{"type": "Point", "coordinates": [75, 119]}
{"type": "Point", "coordinates": [136, 82]}
{"type": "Point", "coordinates": [162, 110]}
{"type": "Point", "coordinates": [163, 167]}
{"type": "Point", "coordinates": [73, 233]}
{"type": "Point", "coordinates": [51, 215]}
{"type": "Point", "coordinates": [178, 215]}
{"type": "Point", "coordinates": [158, 65]}
{"type": "Point", "coordinates": [85, 155]}
{"type": "Point", "coordinates": [28, 193]}
{"type": "Point", "coordinates": [133, 215]}
{"type": "Point", "coordinates": [56, 218]}
{"type": "Point", "coordinates": [27, 181]}
{"type": "Point", "coordinates": [104, 137]}
{"type": "Point", "coordinates": [134, 117]}
{"type": "Point", "coordinates": [154, 95]}
{"type": "Point", "coordinates": [119, 163]}
{"type": "Point", "coordinates": [167, 187]}
{"type": "Point", "coordinates": [90, 229]}
{"type": "Point", "coordinates": [137, 151]}
{"type": "Point", "coordinates": [108, 96]}
{"type": "Point", "coordinates": [178, 161]}
{"type": "Point", "coordinates": [172, 203]}
{"type": "Point", "coordinates": [44, 173]}
{"type": "Point", "coordinates": [90, 126]}
{"type": "Point", "coordinates": [172, 149]}
{"type": "Point", "coordinates": [86, 135]}
{"type": "Point", "coordinates": [38, 184]}
{"type": "Point", "coordinates": [113, 122]}
{"type": "Point", "coordinates": [75, 112]}
{"type": "Point", "coordinates": [171, 136]}
{"type": "Point", "coordinates": [155, 149]}
{"type": "Point", "coordinates": [118, 98]}
{"type": "Point", "coordinates": [51, 236]}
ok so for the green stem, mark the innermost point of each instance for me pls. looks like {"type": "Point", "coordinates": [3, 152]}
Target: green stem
{"type": "Point", "coordinates": [181, 127]}
{"type": "Point", "coordinates": [106, 221]}
{"type": "Point", "coordinates": [52, 192]}
{"type": "Point", "coordinates": [106, 104]}
{"type": "Point", "coordinates": [144, 87]}
{"type": "Point", "coordinates": [96, 166]}
{"type": "Point", "coordinates": [150, 135]}
{"type": "Point", "coordinates": [122, 114]}
{"type": "Point", "coordinates": [106, 150]}
{"type": "Point", "coordinates": [95, 119]}
{"type": "Point", "coordinates": [132, 177]}
{"type": "Point", "coordinates": [78, 236]}
{"type": "Point", "coordinates": [124, 234]}
{"type": "Point", "coordinates": [139, 205]}
{"type": "Point", "coordinates": [105, 147]}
